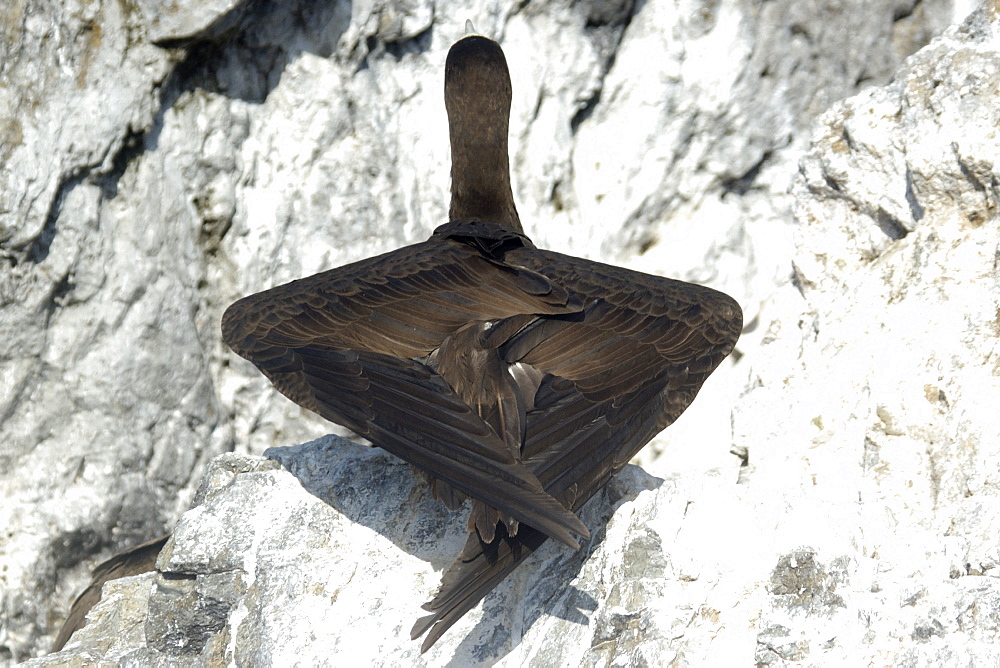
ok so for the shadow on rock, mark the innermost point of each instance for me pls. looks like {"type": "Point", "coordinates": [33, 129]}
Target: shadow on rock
{"type": "Point", "coordinates": [375, 489]}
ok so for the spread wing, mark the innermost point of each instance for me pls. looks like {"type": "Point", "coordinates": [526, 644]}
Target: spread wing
{"type": "Point", "coordinates": [615, 375]}
{"type": "Point", "coordinates": [134, 561]}
{"type": "Point", "coordinates": [351, 344]}
{"type": "Point", "coordinates": [618, 372]}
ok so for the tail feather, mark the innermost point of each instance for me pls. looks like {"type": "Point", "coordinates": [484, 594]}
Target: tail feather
{"type": "Point", "coordinates": [478, 569]}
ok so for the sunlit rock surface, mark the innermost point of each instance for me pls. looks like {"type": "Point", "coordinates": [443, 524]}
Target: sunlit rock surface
{"type": "Point", "coordinates": [155, 165]}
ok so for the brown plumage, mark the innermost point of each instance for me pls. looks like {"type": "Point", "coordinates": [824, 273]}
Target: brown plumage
{"type": "Point", "coordinates": [135, 561]}
{"type": "Point", "coordinates": [615, 375]}
{"type": "Point", "coordinates": [519, 377]}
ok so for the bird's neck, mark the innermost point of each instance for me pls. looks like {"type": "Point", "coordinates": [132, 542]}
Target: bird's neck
{"type": "Point", "coordinates": [480, 186]}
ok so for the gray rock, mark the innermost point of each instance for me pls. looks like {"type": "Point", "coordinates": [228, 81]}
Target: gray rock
{"type": "Point", "coordinates": [143, 188]}
{"type": "Point", "coordinates": [179, 22]}
{"type": "Point", "coordinates": [882, 462]}
{"type": "Point", "coordinates": [108, 403]}
{"type": "Point", "coordinates": [307, 561]}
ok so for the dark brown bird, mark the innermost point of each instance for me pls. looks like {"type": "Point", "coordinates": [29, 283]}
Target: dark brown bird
{"type": "Point", "coordinates": [519, 377]}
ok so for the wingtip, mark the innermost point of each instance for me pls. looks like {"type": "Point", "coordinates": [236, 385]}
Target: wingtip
{"type": "Point", "coordinates": [568, 525]}
{"type": "Point", "coordinates": [430, 623]}
{"type": "Point", "coordinates": [421, 625]}
{"type": "Point", "coordinates": [581, 530]}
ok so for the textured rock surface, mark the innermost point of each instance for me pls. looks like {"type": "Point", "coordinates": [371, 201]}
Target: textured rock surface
{"type": "Point", "coordinates": [884, 458]}
{"type": "Point", "coordinates": [322, 566]}
{"type": "Point", "coordinates": [144, 187]}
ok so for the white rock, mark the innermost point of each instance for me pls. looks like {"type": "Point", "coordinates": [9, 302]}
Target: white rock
{"type": "Point", "coordinates": [142, 189]}
{"type": "Point", "coordinates": [881, 465]}
{"type": "Point", "coordinates": [318, 558]}
{"type": "Point", "coordinates": [176, 20]}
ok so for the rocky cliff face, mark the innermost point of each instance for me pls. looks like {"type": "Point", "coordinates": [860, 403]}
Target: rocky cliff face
{"type": "Point", "coordinates": [156, 165]}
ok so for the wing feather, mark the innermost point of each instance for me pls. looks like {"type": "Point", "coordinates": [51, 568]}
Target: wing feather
{"type": "Point", "coordinates": [616, 374]}
{"type": "Point", "coordinates": [347, 344]}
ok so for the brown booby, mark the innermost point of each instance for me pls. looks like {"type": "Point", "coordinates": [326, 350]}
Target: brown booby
{"type": "Point", "coordinates": [519, 377]}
